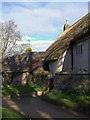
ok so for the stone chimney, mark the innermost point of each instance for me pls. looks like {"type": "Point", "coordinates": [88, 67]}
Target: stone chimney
{"type": "Point", "coordinates": [66, 26]}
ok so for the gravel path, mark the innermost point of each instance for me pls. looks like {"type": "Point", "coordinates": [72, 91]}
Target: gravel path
{"type": "Point", "coordinates": [36, 108]}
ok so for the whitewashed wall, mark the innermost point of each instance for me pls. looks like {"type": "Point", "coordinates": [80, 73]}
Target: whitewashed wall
{"type": "Point", "coordinates": [57, 66]}
{"type": "Point", "coordinates": [67, 61]}
{"type": "Point", "coordinates": [80, 61]}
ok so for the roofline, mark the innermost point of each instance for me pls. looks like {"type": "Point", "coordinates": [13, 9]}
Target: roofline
{"type": "Point", "coordinates": [65, 35]}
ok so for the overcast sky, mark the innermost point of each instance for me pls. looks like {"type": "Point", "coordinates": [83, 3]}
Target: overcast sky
{"type": "Point", "coordinates": [42, 22]}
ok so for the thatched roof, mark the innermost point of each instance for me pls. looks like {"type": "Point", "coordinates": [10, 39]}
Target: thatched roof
{"type": "Point", "coordinates": [24, 62]}
{"type": "Point", "coordinates": [75, 32]}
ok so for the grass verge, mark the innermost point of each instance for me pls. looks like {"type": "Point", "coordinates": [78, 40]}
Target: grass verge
{"type": "Point", "coordinates": [75, 102]}
{"type": "Point", "coordinates": [8, 113]}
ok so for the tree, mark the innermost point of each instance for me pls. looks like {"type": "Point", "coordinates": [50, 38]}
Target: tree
{"type": "Point", "coordinates": [29, 49]}
{"type": "Point", "coordinates": [9, 36]}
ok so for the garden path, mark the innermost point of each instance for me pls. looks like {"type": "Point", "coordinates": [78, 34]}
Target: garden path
{"type": "Point", "coordinates": [36, 108]}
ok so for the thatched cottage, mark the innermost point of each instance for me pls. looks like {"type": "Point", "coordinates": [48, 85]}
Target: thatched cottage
{"type": "Point", "coordinates": [71, 50]}
{"type": "Point", "coordinates": [18, 69]}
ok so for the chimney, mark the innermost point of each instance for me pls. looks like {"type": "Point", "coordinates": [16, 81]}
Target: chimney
{"type": "Point", "coordinates": [66, 26]}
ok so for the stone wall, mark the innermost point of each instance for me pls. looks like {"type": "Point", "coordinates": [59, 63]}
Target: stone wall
{"type": "Point", "coordinates": [62, 81]}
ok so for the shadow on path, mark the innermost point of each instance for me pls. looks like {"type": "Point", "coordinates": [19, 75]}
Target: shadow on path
{"type": "Point", "coordinates": [36, 108]}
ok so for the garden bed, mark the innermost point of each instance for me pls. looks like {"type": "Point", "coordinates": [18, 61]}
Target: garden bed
{"type": "Point", "coordinates": [24, 90]}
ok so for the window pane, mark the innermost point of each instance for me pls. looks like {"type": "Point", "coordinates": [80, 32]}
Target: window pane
{"type": "Point", "coordinates": [78, 49]}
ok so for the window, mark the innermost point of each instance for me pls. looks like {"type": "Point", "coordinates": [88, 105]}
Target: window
{"type": "Point", "coordinates": [79, 49]}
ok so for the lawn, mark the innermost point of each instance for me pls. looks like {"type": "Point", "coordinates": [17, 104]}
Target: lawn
{"type": "Point", "coordinates": [8, 113]}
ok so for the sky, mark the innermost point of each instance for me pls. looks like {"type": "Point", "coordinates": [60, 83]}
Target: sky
{"type": "Point", "coordinates": [42, 22]}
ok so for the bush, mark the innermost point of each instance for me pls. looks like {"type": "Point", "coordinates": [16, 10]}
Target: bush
{"type": "Point", "coordinates": [29, 50]}
{"type": "Point", "coordinates": [77, 91]}
{"type": "Point", "coordinates": [40, 78]}
{"type": "Point", "coordinates": [24, 89]}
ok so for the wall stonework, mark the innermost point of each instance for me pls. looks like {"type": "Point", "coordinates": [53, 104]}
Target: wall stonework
{"type": "Point", "coordinates": [70, 81]}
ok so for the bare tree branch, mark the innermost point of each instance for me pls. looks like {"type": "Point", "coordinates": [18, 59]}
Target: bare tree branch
{"type": "Point", "coordinates": [9, 36]}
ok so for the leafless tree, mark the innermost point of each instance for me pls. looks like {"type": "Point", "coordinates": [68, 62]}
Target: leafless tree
{"type": "Point", "coordinates": [9, 35]}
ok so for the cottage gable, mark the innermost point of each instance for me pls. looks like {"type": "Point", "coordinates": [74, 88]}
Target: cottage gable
{"type": "Point", "coordinates": [75, 34]}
